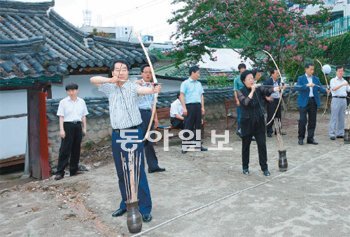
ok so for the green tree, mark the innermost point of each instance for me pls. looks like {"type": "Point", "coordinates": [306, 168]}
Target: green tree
{"type": "Point", "coordinates": [255, 25]}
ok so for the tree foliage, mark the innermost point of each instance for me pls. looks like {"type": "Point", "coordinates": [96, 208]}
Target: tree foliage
{"type": "Point", "coordinates": [255, 25]}
{"type": "Point", "coordinates": [338, 50]}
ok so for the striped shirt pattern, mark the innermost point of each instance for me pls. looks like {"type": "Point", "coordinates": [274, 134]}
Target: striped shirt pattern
{"type": "Point", "coordinates": [146, 101]}
{"type": "Point", "coordinates": [123, 104]}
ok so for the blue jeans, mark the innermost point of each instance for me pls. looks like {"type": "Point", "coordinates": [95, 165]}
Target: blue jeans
{"type": "Point", "coordinates": [144, 195]}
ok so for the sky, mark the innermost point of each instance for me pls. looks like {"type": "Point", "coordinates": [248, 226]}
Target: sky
{"type": "Point", "coordinates": [146, 16]}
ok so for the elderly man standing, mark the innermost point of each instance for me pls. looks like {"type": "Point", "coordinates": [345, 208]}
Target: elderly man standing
{"type": "Point", "coordinates": [145, 106]}
{"type": "Point", "coordinates": [126, 122]}
{"type": "Point", "coordinates": [339, 88]}
{"type": "Point", "coordinates": [72, 113]}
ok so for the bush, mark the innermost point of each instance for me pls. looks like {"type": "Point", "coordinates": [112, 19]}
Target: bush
{"type": "Point", "coordinates": [218, 81]}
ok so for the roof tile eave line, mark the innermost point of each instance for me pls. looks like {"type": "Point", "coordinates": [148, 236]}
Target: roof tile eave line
{"type": "Point", "coordinates": [19, 7]}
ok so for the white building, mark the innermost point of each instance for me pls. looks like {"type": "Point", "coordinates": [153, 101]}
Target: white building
{"type": "Point", "coordinates": [120, 33]}
{"type": "Point", "coordinates": [226, 60]}
{"type": "Point", "coordinates": [338, 8]}
{"type": "Point", "coordinates": [166, 46]}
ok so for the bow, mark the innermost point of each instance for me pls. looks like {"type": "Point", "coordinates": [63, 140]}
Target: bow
{"type": "Point", "coordinates": [281, 93]}
{"type": "Point", "coordinates": [325, 77]}
{"type": "Point", "coordinates": [154, 107]}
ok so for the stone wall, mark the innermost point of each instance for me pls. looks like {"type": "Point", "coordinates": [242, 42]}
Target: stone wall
{"type": "Point", "coordinates": [98, 130]}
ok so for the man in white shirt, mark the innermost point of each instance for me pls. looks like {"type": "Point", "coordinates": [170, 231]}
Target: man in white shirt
{"type": "Point", "coordinates": [176, 113]}
{"type": "Point", "coordinates": [339, 88]}
{"type": "Point", "coordinates": [72, 113]}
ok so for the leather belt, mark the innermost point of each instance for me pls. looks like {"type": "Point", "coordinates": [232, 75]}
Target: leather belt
{"type": "Point", "coordinates": [73, 122]}
{"type": "Point", "coordinates": [118, 130]}
{"type": "Point", "coordinates": [340, 97]}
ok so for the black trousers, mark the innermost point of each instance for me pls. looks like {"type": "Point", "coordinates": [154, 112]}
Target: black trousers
{"type": "Point", "coordinates": [308, 115]}
{"type": "Point", "coordinates": [150, 153]}
{"type": "Point", "coordinates": [260, 138]}
{"type": "Point", "coordinates": [70, 148]}
{"type": "Point", "coordinates": [193, 120]}
{"type": "Point", "coordinates": [177, 123]}
{"type": "Point", "coordinates": [271, 108]}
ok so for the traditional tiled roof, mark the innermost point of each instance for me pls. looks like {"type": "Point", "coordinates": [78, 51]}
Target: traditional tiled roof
{"type": "Point", "coordinates": [23, 20]}
{"type": "Point", "coordinates": [24, 62]}
{"type": "Point", "coordinates": [99, 106]}
{"type": "Point", "coordinates": [181, 73]}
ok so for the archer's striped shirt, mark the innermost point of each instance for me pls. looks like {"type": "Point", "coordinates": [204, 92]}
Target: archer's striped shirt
{"type": "Point", "coordinates": [123, 104]}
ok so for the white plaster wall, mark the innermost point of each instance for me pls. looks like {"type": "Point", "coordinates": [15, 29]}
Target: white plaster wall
{"type": "Point", "coordinates": [86, 89]}
{"type": "Point", "coordinates": [13, 131]}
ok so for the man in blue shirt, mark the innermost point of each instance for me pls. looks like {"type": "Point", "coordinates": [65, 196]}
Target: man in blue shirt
{"type": "Point", "coordinates": [308, 100]}
{"type": "Point", "coordinates": [192, 101]}
{"type": "Point", "coordinates": [237, 85]}
{"type": "Point", "coordinates": [145, 106]}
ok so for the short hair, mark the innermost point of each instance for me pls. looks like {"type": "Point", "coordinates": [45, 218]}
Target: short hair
{"type": "Point", "coordinates": [272, 71]}
{"type": "Point", "coordinates": [256, 70]}
{"type": "Point", "coordinates": [307, 65]}
{"type": "Point", "coordinates": [144, 66]}
{"type": "Point", "coordinates": [193, 69]}
{"type": "Point", "coordinates": [242, 65]}
{"type": "Point", "coordinates": [71, 86]}
{"type": "Point", "coordinates": [122, 61]}
{"type": "Point", "coordinates": [245, 74]}
{"type": "Point", "coordinates": [339, 67]}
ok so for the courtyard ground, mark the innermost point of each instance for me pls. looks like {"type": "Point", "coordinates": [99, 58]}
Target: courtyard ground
{"type": "Point", "coordinates": [200, 194]}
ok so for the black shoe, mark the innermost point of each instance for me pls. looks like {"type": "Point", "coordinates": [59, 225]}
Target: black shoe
{"type": "Point", "coordinates": [313, 142]}
{"type": "Point", "coordinates": [156, 170]}
{"type": "Point", "coordinates": [183, 151]}
{"type": "Point", "coordinates": [204, 149]}
{"type": "Point", "coordinates": [75, 173]}
{"type": "Point", "coordinates": [146, 217]}
{"type": "Point", "coordinates": [283, 133]}
{"type": "Point", "coordinates": [245, 171]}
{"type": "Point", "coordinates": [332, 138]}
{"type": "Point", "coordinates": [266, 172]}
{"type": "Point", "coordinates": [300, 142]}
{"type": "Point", "coordinates": [118, 212]}
{"type": "Point", "coordinates": [58, 177]}
{"type": "Point", "coordinates": [269, 135]}
{"type": "Point", "coordinates": [340, 136]}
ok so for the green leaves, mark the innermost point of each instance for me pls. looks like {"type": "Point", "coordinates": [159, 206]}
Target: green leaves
{"type": "Point", "coordinates": [253, 25]}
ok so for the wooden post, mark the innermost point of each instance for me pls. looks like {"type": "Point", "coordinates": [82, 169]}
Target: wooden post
{"type": "Point", "coordinates": [44, 146]}
{"type": "Point", "coordinates": [37, 134]}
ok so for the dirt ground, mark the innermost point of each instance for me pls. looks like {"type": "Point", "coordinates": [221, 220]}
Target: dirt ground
{"type": "Point", "coordinates": [200, 194]}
